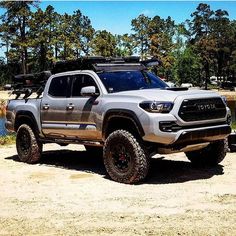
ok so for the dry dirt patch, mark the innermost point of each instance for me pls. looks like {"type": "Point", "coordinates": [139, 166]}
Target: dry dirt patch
{"type": "Point", "coordinates": [68, 193]}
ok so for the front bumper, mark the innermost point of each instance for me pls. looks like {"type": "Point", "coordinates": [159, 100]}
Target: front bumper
{"type": "Point", "coordinates": [156, 132]}
{"type": "Point", "coordinates": [203, 135]}
{"type": "Point", "coordinates": [189, 136]}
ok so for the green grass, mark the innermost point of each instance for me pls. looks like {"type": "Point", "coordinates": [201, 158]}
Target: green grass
{"type": "Point", "coordinates": [233, 126]}
{"type": "Point", "coordinates": [7, 140]}
{"type": "Point", "coordinates": [212, 86]}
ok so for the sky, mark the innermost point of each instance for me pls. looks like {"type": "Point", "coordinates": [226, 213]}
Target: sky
{"type": "Point", "coordinates": [116, 17]}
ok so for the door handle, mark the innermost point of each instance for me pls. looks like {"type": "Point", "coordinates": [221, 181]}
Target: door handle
{"type": "Point", "coordinates": [46, 107]}
{"type": "Point", "coordinates": [70, 107]}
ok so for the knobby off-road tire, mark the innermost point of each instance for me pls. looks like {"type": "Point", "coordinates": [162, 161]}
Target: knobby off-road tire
{"type": "Point", "coordinates": [211, 155]}
{"type": "Point", "coordinates": [124, 158]}
{"type": "Point", "coordinates": [29, 149]}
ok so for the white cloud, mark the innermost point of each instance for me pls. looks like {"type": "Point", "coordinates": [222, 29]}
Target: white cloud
{"type": "Point", "coordinates": [147, 12]}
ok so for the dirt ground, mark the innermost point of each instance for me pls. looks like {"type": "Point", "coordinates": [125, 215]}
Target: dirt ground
{"type": "Point", "coordinates": [68, 193]}
{"type": "Point", "coordinates": [5, 95]}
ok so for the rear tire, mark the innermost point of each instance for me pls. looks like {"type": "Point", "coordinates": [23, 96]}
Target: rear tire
{"type": "Point", "coordinates": [124, 158]}
{"type": "Point", "coordinates": [232, 142]}
{"type": "Point", "coordinates": [29, 149]}
{"type": "Point", "coordinates": [211, 155]}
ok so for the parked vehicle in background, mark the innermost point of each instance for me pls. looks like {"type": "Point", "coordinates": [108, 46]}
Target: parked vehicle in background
{"type": "Point", "coordinates": [213, 80]}
{"type": "Point", "coordinates": [7, 87]}
{"type": "Point", "coordinates": [186, 85]}
{"type": "Point", "coordinates": [122, 109]}
{"type": "Point", "coordinates": [228, 85]}
{"type": "Point", "coordinates": [170, 84]}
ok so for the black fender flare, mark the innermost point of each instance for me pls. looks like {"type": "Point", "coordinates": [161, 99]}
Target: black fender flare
{"type": "Point", "coordinates": [121, 113]}
{"type": "Point", "coordinates": [27, 115]}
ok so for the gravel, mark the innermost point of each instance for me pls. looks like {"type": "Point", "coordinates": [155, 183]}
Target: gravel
{"type": "Point", "coordinates": [69, 193]}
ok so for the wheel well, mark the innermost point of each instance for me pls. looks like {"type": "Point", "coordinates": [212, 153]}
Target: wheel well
{"type": "Point", "coordinates": [115, 123]}
{"type": "Point", "coordinates": [25, 119]}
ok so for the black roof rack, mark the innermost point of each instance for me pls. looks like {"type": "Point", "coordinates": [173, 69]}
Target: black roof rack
{"type": "Point", "coordinates": [151, 62]}
{"type": "Point", "coordinates": [30, 83]}
{"type": "Point", "coordinates": [83, 63]}
{"type": "Point", "coordinates": [99, 67]}
{"type": "Point", "coordinates": [36, 78]}
{"type": "Point", "coordinates": [131, 59]}
{"type": "Point", "coordinates": [91, 63]}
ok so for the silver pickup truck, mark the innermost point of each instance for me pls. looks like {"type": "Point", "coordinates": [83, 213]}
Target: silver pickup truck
{"type": "Point", "coordinates": [125, 110]}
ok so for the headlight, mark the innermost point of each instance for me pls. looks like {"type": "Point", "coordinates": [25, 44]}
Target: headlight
{"type": "Point", "coordinates": [158, 107]}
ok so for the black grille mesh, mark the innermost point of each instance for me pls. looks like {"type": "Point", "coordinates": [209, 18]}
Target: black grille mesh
{"type": "Point", "coordinates": [202, 109]}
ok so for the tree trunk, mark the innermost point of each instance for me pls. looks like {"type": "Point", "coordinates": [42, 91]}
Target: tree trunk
{"type": "Point", "coordinates": [207, 71]}
{"type": "Point", "coordinates": [142, 49]}
{"type": "Point", "coordinates": [26, 59]}
{"type": "Point", "coordinates": [65, 53]}
{"type": "Point", "coordinates": [24, 53]}
{"type": "Point", "coordinates": [77, 53]}
{"type": "Point", "coordinates": [7, 50]}
{"type": "Point", "coordinates": [23, 62]}
{"type": "Point", "coordinates": [42, 57]}
{"type": "Point", "coordinates": [56, 51]}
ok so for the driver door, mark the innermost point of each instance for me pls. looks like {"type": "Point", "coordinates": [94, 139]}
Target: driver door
{"type": "Point", "coordinates": [81, 117]}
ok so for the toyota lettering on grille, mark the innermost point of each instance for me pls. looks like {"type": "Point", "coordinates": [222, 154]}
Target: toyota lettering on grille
{"type": "Point", "coordinates": [206, 107]}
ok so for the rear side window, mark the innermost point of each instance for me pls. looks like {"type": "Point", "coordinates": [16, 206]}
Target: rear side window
{"type": "Point", "coordinates": [58, 87]}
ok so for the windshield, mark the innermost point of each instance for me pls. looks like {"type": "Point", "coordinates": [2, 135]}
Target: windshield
{"type": "Point", "coordinates": [118, 81]}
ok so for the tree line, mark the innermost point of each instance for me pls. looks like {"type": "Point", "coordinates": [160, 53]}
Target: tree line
{"type": "Point", "coordinates": [33, 39]}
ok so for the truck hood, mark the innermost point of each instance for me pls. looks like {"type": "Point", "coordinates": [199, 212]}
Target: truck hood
{"type": "Point", "coordinates": [166, 95]}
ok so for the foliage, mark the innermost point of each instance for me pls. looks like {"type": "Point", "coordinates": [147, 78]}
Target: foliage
{"type": "Point", "coordinates": [141, 27]}
{"type": "Point", "coordinates": [15, 22]}
{"type": "Point", "coordinates": [83, 33]}
{"type": "Point", "coordinates": [7, 140]}
{"type": "Point", "coordinates": [104, 43]}
{"type": "Point", "coordinates": [188, 67]}
{"type": "Point", "coordinates": [125, 45]}
{"type": "Point", "coordinates": [233, 126]}
{"type": "Point", "coordinates": [7, 71]}
{"type": "Point", "coordinates": [192, 51]}
{"type": "Point", "coordinates": [162, 44]}
{"type": "Point", "coordinates": [212, 35]}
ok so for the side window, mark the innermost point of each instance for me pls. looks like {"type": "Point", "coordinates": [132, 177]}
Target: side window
{"type": "Point", "coordinates": [76, 86]}
{"type": "Point", "coordinates": [58, 87]}
{"type": "Point", "coordinates": [81, 81]}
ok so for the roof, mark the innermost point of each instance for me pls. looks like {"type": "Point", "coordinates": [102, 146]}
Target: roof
{"type": "Point", "coordinates": [98, 64]}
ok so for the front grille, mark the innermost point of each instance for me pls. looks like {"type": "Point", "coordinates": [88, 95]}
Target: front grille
{"type": "Point", "coordinates": [202, 109]}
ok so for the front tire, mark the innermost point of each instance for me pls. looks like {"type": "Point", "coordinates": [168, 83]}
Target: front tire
{"type": "Point", "coordinates": [29, 149]}
{"type": "Point", "coordinates": [124, 158]}
{"type": "Point", "coordinates": [211, 155]}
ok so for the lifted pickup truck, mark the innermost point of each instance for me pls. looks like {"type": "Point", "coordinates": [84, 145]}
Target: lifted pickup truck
{"type": "Point", "coordinates": [126, 111]}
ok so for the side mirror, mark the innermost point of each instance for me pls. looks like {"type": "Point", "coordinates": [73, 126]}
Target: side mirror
{"type": "Point", "coordinates": [88, 91]}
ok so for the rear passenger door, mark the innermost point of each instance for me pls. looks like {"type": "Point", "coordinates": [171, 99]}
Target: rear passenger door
{"type": "Point", "coordinates": [54, 107]}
